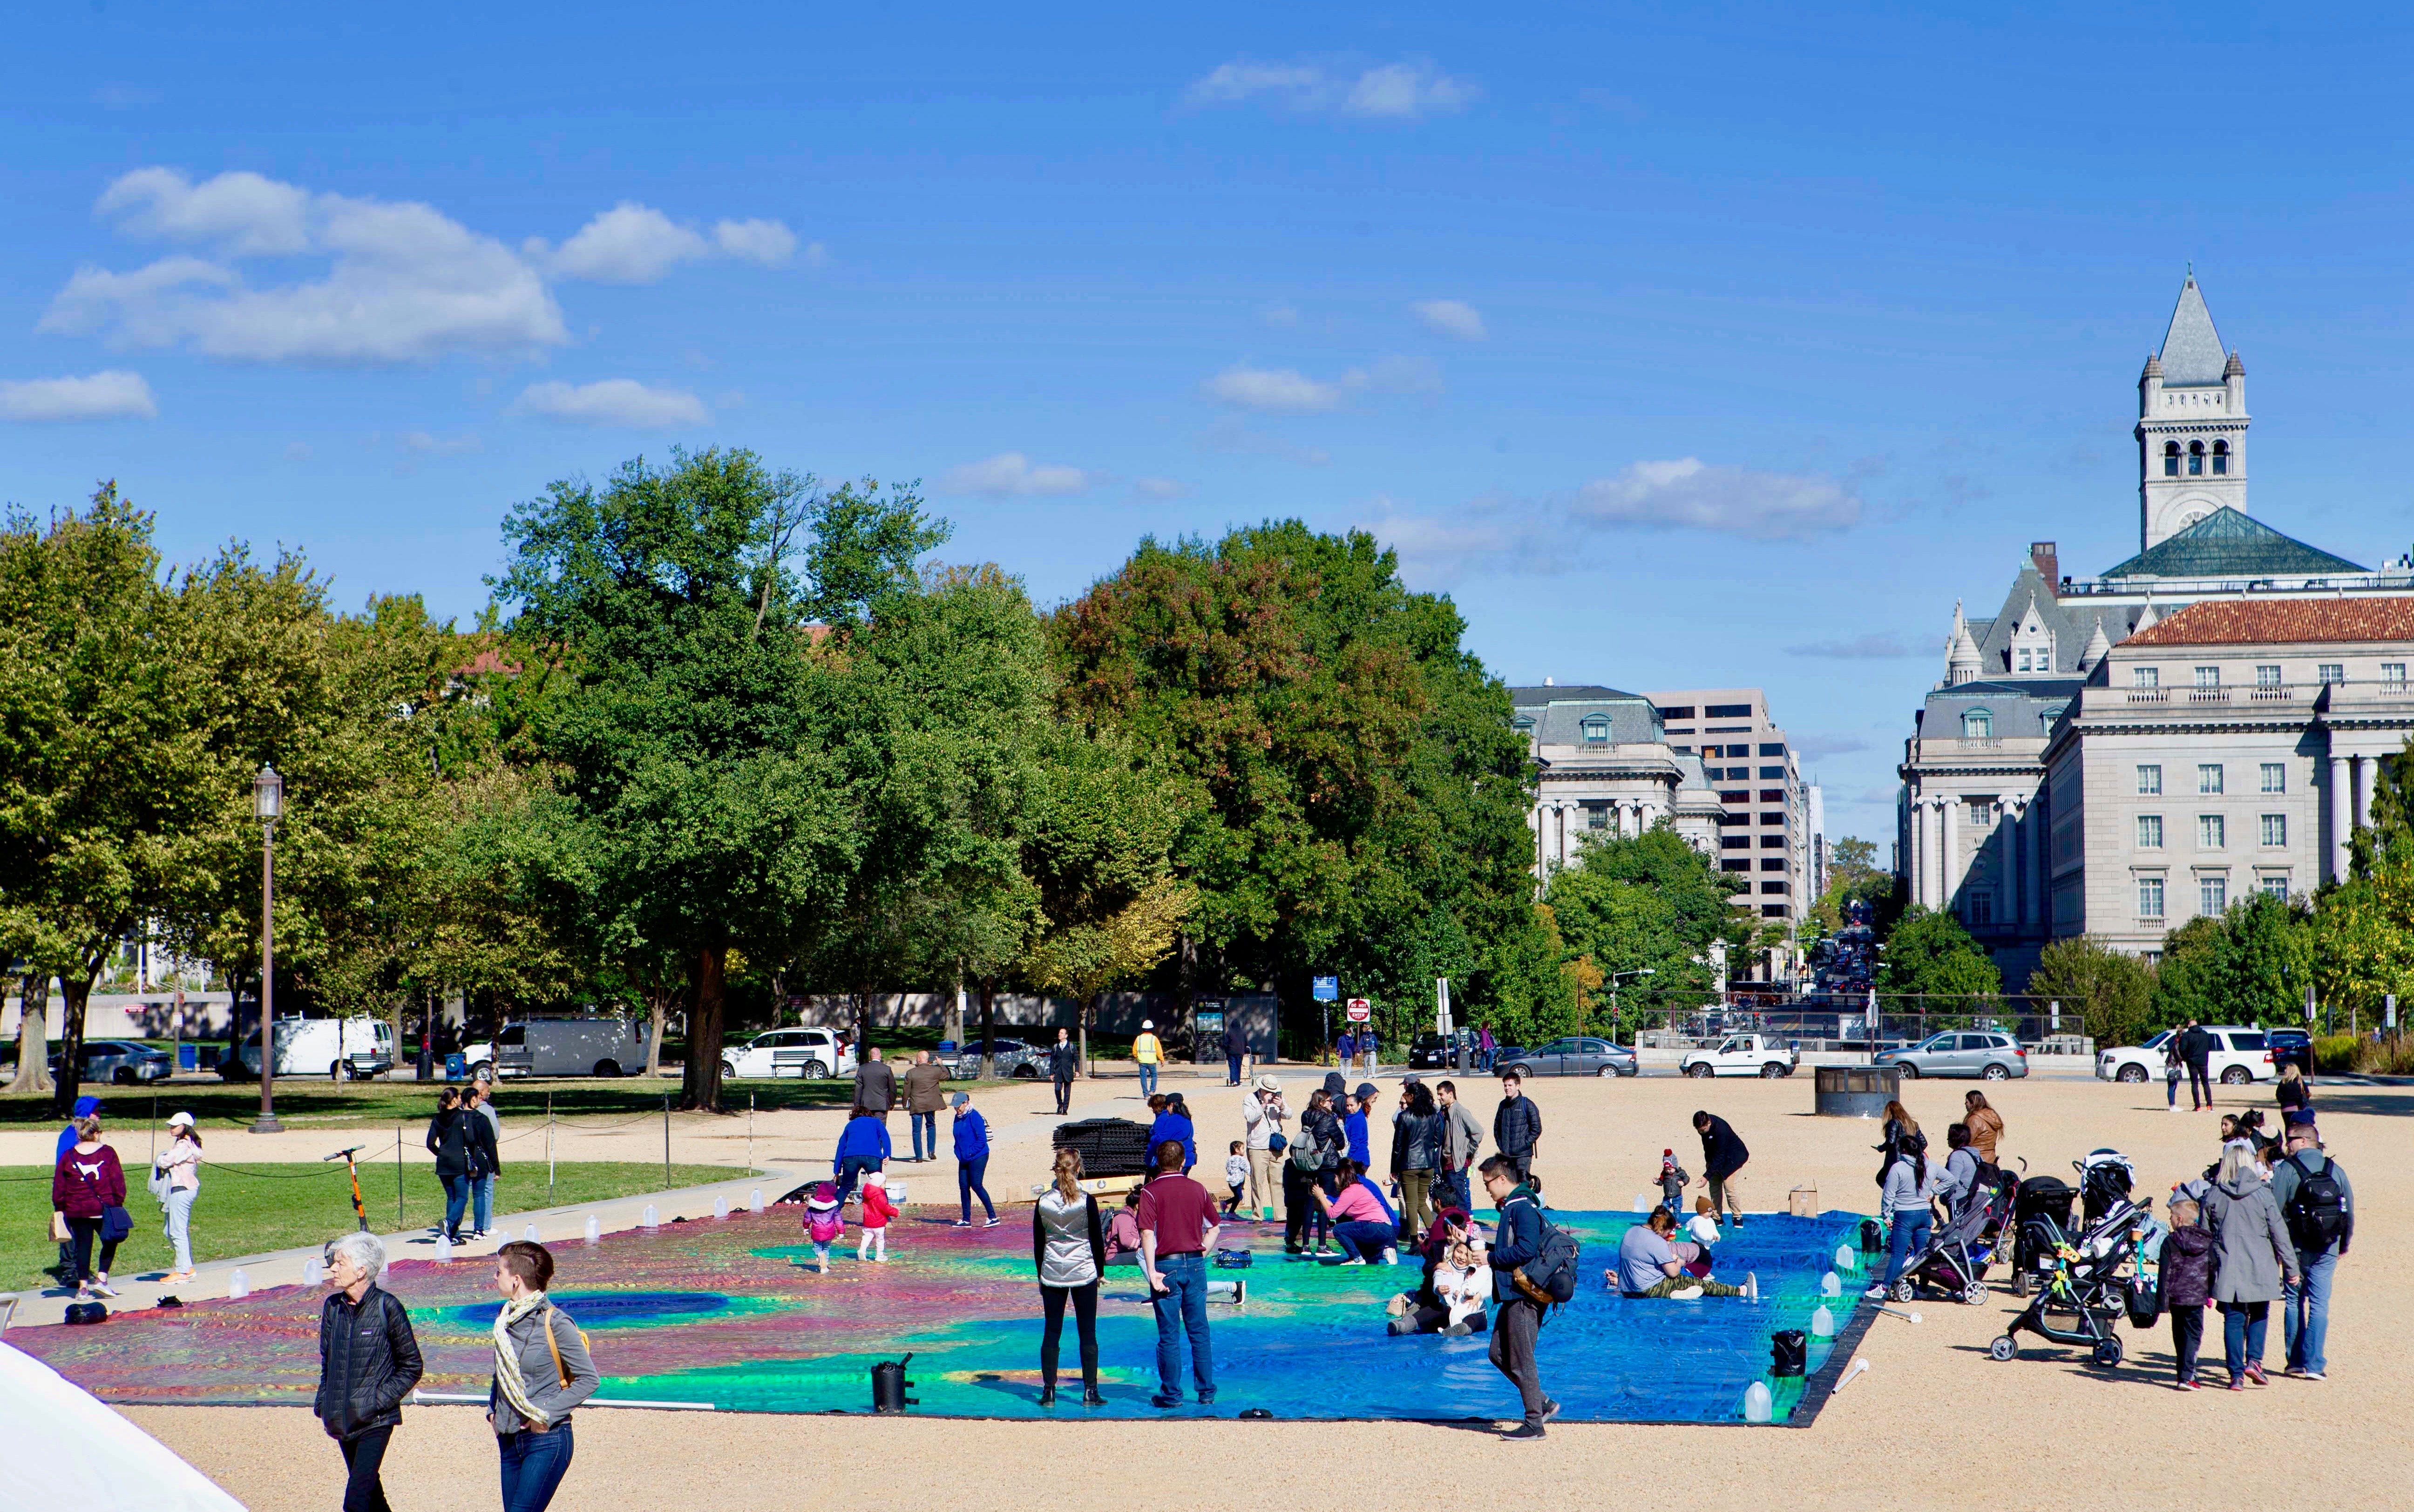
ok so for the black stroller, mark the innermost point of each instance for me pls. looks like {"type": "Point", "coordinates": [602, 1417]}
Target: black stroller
{"type": "Point", "coordinates": [1955, 1261]}
{"type": "Point", "coordinates": [2083, 1281]}
{"type": "Point", "coordinates": [2041, 1220]}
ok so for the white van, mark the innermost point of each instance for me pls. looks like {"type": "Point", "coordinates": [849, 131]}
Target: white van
{"type": "Point", "coordinates": [563, 1047]}
{"type": "Point", "coordinates": [338, 1049]}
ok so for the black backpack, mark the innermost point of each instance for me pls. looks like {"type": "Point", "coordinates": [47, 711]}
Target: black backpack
{"type": "Point", "coordinates": [2318, 1210]}
{"type": "Point", "coordinates": [1550, 1277]}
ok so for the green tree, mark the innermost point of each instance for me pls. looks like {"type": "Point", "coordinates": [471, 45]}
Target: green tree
{"type": "Point", "coordinates": [2187, 981]}
{"type": "Point", "coordinates": [1931, 956]}
{"type": "Point", "coordinates": [2111, 991]}
{"type": "Point", "coordinates": [703, 806]}
{"type": "Point", "coordinates": [2252, 963]}
{"type": "Point", "coordinates": [1648, 901]}
{"type": "Point", "coordinates": [1352, 767]}
{"type": "Point", "coordinates": [1523, 991]}
{"type": "Point", "coordinates": [1853, 877]}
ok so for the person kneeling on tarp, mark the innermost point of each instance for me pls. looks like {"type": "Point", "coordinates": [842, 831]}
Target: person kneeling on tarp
{"type": "Point", "coordinates": [1648, 1266]}
{"type": "Point", "coordinates": [1450, 1298]}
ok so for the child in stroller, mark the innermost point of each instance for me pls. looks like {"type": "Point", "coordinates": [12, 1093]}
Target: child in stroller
{"type": "Point", "coordinates": [1955, 1261]}
{"type": "Point", "coordinates": [2085, 1282]}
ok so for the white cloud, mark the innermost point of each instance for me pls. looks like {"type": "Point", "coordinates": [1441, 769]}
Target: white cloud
{"type": "Point", "coordinates": [1397, 375]}
{"type": "Point", "coordinates": [1158, 488]}
{"type": "Point", "coordinates": [402, 282]}
{"type": "Point", "coordinates": [767, 241]}
{"type": "Point", "coordinates": [1281, 390]}
{"type": "Point", "coordinates": [1012, 476]}
{"type": "Point", "coordinates": [1394, 91]}
{"type": "Point", "coordinates": [630, 242]}
{"type": "Point", "coordinates": [422, 443]}
{"type": "Point", "coordinates": [1688, 493]}
{"type": "Point", "coordinates": [1492, 534]}
{"type": "Point", "coordinates": [113, 395]}
{"type": "Point", "coordinates": [1875, 645]}
{"type": "Point", "coordinates": [614, 401]}
{"type": "Point", "coordinates": [1451, 318]}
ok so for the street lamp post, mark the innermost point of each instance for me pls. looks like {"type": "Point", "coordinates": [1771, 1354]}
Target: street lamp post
{"type": "Point", "coordinates": [268, 802]}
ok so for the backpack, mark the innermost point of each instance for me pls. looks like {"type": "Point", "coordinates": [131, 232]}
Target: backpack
{"type": "Point", "coordinates": [2317, 1210]}
{"type": "Point", "coordinates": [1306, 1152]}
{"type": "Point", "coordinates": [1550, 1277]}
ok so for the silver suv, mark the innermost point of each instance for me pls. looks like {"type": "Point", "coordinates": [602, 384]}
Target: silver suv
{"type": "Point", "coordinates": [1988, 1054]}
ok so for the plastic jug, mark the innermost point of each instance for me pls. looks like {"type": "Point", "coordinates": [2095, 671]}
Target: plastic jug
{"type": "Point", "coordinates": [530, 1234]}
{"type": "Point", "coordinates": [1830, 1285]}
{"type": "Point", "coordinates": [595, 1229]}
{"type": "Point", "coordinates": [1823, 1324]}
{"type": "Point", "coordinates": [719, 1208]}
{"type": "Point", "coordinates": [650, 1218]}
{"type": "Point", "coordinates": [314, 1271]}
{"type": "Point", "coordinates": [1642, 1201]}
{"type": "Point", "coordinates": [1845, 1260]}
{"type": "Point", "coordinates": [755, 1200]}
{"type": "Point", "coordinates": [238, 1286]}
{"type": "Point", "coordinates": [1758, 1407]}
{"type": "Point", "coordinates": [444, 1249]}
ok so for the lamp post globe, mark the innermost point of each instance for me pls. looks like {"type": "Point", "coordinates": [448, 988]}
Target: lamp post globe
{"type": "Point", "coordinates": [268, 804]}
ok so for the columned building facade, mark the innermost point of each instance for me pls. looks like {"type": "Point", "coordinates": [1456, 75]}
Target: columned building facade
{"type": "Point", "coordinates": [1605, 767]}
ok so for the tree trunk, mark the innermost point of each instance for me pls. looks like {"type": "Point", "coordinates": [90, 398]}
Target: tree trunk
{"type": "Point", "coordinates": [702, 1082]}
{"type": "Point", "coordinates": [75, 993]}
{"type": "Point", "coordinates": [33, 1033]}
{"type": "Point", "coordinates": [989, 1026]}
{"type": "Point", "coordinates": [657, 1002]}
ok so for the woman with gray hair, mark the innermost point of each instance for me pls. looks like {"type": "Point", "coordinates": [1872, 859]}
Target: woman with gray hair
{"type": "Point", "coordinates": [2251, 1253]}
{"type": "Point", "coordinates": [369, 1361]}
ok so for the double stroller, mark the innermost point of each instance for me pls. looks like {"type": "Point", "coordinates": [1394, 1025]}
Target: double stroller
{"type": "Point", "coordinates": [2088, 1279]}
{"type": "Point", "coordinates": [2042, 1213]}
{"type": "Point", "coordinates": [1956, 1260]}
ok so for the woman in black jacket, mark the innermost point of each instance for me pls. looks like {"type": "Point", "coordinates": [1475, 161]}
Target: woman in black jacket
{"type": "Point", "coordinates": [448, 1140]}
{"type": "Point", "coordinates": [1416, 1155]}
{"type": "Point", "coordinates": [369, 1361]}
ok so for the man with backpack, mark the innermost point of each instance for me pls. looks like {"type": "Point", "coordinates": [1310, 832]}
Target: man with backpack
{"type": "Point", "coordinates": [2319, 1208]}
{"type": "Point", "coordinates": [1523, 1242]}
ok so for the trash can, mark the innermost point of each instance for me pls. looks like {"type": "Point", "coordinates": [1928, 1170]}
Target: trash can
{"type": "Point", "coordinates": [188, 1057]}
{"type": "Point", "coordinates": [456, 1066]}
{"type": "Point", "coordinates": [1855, 1091]}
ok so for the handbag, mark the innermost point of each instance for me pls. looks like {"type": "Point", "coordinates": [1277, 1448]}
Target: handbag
{"type": "Point", "coordinates": [59, 1229]}
{"type": "Point", "coordinates": [116, 1223]}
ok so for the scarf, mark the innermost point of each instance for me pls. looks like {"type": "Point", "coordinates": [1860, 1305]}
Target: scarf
{"type": "Point", "coordinates": [507, 1357]}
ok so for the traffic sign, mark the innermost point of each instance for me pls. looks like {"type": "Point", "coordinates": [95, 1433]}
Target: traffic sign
{"type": "Point", "coordinates": [1325, 988]}
{"type": "Point", "coordinates": [1361, 1011]}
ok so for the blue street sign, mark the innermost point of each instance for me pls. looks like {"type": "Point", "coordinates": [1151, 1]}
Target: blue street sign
{"type": "Point", "coordinates": [1327, 989]}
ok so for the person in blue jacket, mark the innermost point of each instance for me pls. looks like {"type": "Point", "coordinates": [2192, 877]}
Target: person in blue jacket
{"type": "Point", "coordinates": [1174, 1123]}
{"type": "Point", "coordinates": [972, 1161]}
{"type": "Point", "coordinates": [1361, 1102]}
{"type": "Point", "coordinates": [1516, 1240]}
{"type": "Point", "coordinates": [85, 1107]}
{"type": "Point", "coordinates": [862, 1146]}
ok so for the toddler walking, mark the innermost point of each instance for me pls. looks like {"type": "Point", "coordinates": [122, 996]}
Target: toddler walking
{"type": "Point", "coordinates": [1236, 1176]}
{"type": "Point", "coordinates": [1672, 1182]}
{"type": "Point", "coordinates": [877, 1211]}
{"type": "Point", "coordinates": [2186, 1281]}
{"type": "Point", "coordinates": [823, 1223]}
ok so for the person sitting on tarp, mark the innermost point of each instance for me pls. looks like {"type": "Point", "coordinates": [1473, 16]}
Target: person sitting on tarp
{"type": "Point", "coordinates": [1449, 1300]}
{"type": "Point", "coordinates": [1648, 1266]}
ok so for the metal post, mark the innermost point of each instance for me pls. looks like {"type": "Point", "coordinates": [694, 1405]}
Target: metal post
{"type": "Point", "coordinates": [548, 1149]}
{"type": "Point", "coordinates": [749, 1131]}
{"type": "Point", "coordinates": [397, 1177]}
{"type": "Point", "coordinates": [266, 1123]}
{"type": "Point", "coordinates": [666, 1142]}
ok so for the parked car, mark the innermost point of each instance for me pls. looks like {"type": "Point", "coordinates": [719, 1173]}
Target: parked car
{"type": "Point", "coordinates": [1988, 1054]}
{"type": "Point", "coordinates": [811, 1054]}
{"type": "Point", "coordinates": [561, 1047]}
{"type": "Point", "coordinates": [1573, 1054]}
{"type": "Point", "coordinates": [1742, 1055]}
{"type": "Point", "coordinates": [2288, 1046]}
{"type": "Point", "coordinates": [1431, 1052]}
{"type": "Point", "coordinates": [1014, 1057]}
{"type": "Point", "coordinates": [2239, 1056]}
{"type": "Point", "coordinates": [338, 1049]}
{"type": "Point", "coordinates": [123, 1062]}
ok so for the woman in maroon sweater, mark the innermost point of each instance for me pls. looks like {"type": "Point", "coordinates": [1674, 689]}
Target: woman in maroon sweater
{"type": "Point", "coordinates": [87, 1182]}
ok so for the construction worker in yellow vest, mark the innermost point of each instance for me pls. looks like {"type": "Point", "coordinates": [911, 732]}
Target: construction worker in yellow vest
{"type": "Point", "coordinates": [1149, 1052]}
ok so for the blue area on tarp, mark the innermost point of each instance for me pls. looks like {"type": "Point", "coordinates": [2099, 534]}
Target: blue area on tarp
{"type": "Point", "coordinates": [605, 1310]}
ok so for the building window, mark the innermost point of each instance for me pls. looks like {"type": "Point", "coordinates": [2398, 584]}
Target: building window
{"type": "Point", "coordinates": [1525, 725]}
{"type": "Point", "coordinates": [1982, 812]}
{"type": "Point", "coordinates": [2024, 659]}
{"type": "Point", "coordinates": [2275, 828]}
{"type": "Point", "coordinates": [2211, 894]}
{"type": "Point", "coordinates": [1737, 843]}
{"type": "Point", "coordinates": [2221, 457]}
{"type": "Point", "coordinates": [1772, 774]}
{"type": "Point", "coordinates": [2149, 897]}
{"type": "Point", "coordinates": [1772, 863]}
{"type": "Point", "coordinates": [1982, 908]}
{"type": "Point", "coordinates": [1774, 748]}
{"type": "Point", "coordinates": [2170, 459]}
{"type": "Point", "coordinates": [2207, 778]}
{"type": "Point", "coordinates": [1729, 710]}
{"type": "Point", "coordinates": [1596, 816]}
{"type": "Point", "coordinates": [2145, 677]}
{"type": "Point", "coordinates": [2195, 459]}
{"type": "Point", "coordinates": [1772, 890]}
{"type": "Point", "coordinates": [1686, 713]}
{"type": "Point", "coordinates": [1744, 865]}
{"type": "Point", "coordinates": [2275, 776]}
{"type": "Point", "coordinates": [2149, 779]}
{"type": "Point", "coordinates": [1772, 911]}
{"type": "Point", "coordinates": [1772, 795]}
{"type": "Point", "coordinates": [2267, 676]}
{"type": "Point", "coordinates": [2150, 831]}
{"type": "Point", "coordinates": [2208, 677]}
{"type": "Point", "coordinates": [1736, 798]}
{"type": "Point", "coordinates": [2212, 831]}
{"type": "Point", "coordinates": [1978, 725]}
{"type": "Point", "coordinates": [2393, 673]}
{"type": "Point", "coordinates": [2332, 672]}
{"type": "Point", "coordinates": [2273, 884]}
{"type": "Point", "coordinates": [1686, 750]}
{"type": "Point", "coordinates": [1772, 842]}
{"type": "Point", "coordinates": [1772, 819]}
{"type": "Point", "coordinates": [1596, 729]}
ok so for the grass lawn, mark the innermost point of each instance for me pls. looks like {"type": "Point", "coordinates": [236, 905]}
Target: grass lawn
{"type": "Point", "coordinates": [250, 1209]}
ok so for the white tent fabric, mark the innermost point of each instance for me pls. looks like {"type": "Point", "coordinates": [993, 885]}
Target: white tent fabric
{"type": "Point", "coordinates": [108, 1465]}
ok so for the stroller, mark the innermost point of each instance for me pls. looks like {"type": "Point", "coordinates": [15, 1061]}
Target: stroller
{"type": "Point", "coordinates": [2106, 1178]}
{"type": "Point", "coordinates": [2083, 1281]}
{"type": "Point", "coordinates": [1955, 1261]}
{"type": "Point", "coordinates": [2041, 1220]}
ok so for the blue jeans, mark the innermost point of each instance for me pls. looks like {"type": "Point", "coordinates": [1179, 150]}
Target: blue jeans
{"type": "Point", "coordinates": [1183, 1306]}
{"type": "Point", "coordinates": [925, 1124]}
{"type": "Point", "coordinates": [851, 1168]}
{"type": "Point", "coordinates": [1147, 1078]}
{"type": "Point", "coordinates": [534, 1465]}
{"type": "Point", "coordinates": [2243, 1326]}
{"type": "Point", "coordinates": [969, 1176]}
{"type": "Point", "coordinates": [1364, 1239]}
{"type": "Point", "coordinates": [456, 1201]}
{"type": "Point", "coordinates": [2306, 1310]}
{"type": "Point", "coordinates": [1231, 1069]}
{"type": "Point", "coordinates": [482, 1204]}
{"type": "Point", "coordinates": [1449, 1191]}
{"type": "Point", "coordinates": [1910, 1235]}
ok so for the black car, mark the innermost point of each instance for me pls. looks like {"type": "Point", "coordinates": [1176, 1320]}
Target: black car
{"type": "Point", "coordinates": [1431, 1052]}
{"type": "Point", "coordinates": [2289, 1045]}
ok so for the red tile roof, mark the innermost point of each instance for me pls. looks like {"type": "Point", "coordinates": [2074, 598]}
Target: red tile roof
{"type": "Point", "coordinates": [2275, 621]}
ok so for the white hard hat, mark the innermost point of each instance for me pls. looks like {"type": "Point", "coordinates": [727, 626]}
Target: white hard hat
{"type": "Point", "coordinates": [1148, 1023]}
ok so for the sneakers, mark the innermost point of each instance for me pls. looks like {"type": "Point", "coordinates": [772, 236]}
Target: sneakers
{"type": "Point", "coordinates": [1550, 1409]}
{"type": "Point", "coordinates": [1522, 1432]}
{"type": "Point", "coordinates": [1688, 1294]}
{"type": "Point", "coordinates": [1875, 1294]}
{"type": "Point", "coordinates": [2237, 1383]}
{"type": "Point", "coordinates": [1751, 1286]}
{"type": "Point", "coordinates": [102, 1288]}
{"type": "Point", "coordinates": [963, 1223]}
{"type": "Point", "coordinates": [1046, 1396]}
{"type": "Point", "coordinates": [992, 1224]}
{"type": "Point", "coordinates": [2186, 1386]}
{"type": "Point", "coordinates": [1355, 1260]}
{"type": "Point", "coordinates": [1391, 1257]}
{"type": "Point", "coordinates": [2311, 1375]}
{"type": "Point", "coordinates": [2253, 1371]}
{"type": "Point", "coordinates": [1164, 1403]}
{"type": "Point", "coordinates": [1090, 1397]}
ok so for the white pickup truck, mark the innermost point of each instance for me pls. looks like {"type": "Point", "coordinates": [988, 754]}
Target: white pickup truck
{"type": "Point", "coordinates": [1743, 1054]}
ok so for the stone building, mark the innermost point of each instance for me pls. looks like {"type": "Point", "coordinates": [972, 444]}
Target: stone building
{"type": "Point", "coordinates": [1606, 767]}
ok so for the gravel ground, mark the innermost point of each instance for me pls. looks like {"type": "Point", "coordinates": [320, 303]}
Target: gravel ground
{"type": "Point", "coordinates": [1933, 1423]}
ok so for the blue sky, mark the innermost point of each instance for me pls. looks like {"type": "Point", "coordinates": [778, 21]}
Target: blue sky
{"type": "Point", "coordinates": [1681, 349]}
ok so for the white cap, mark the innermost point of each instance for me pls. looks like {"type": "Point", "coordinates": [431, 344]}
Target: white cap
{"type": "Point", "coordinates": [184, 1118]}
{"type": "Point", "coordinates": [1148, 1023]}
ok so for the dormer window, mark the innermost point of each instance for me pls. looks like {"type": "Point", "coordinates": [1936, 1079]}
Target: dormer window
{"type": "Point", "coordinates": [1978, 725]}
{"type": "Point", "coordinates": [2170, 459]}
{"type": "Point", "coordinates": [2195, 457]}
{"type": "Point", "coordinates": [2221, 457]}
{"type": "Point", "coordinates": [1525, 724]}
{"type": "Point", "coordinates": [1596, 729]}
